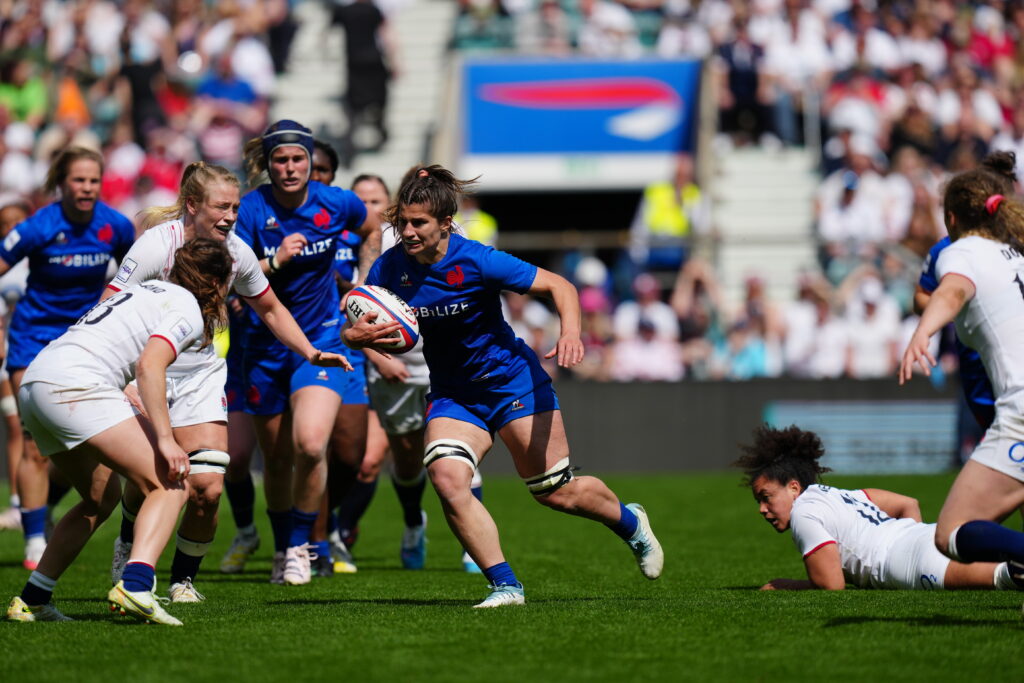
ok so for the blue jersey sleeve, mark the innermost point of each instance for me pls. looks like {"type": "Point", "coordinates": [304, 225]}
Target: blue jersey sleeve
{"type": "Point", "coordinates": [23, 240]}
{"type": "Point", "coordinates": [244, 224]}
{"type": "Point", "coordinates": [929, 280]}
{"type": "Point", "coordinates": [505, 271]}
{"type": "Point", "coordinates": [125, 237]}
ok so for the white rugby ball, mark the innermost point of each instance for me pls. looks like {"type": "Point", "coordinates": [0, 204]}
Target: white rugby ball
{"type": "Point", "coordinates": [388, 307]}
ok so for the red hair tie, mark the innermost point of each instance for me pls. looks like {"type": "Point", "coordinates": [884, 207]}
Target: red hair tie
{"type": "Point", "coordinates": [423, 173]}
{"type": "Point", "coordinates": [992, 203]}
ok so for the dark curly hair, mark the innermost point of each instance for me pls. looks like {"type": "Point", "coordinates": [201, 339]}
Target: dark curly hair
{"type": "Point", "coordinates": [433, 186]}
{"type": "Point", "coordinates": [782, 455]}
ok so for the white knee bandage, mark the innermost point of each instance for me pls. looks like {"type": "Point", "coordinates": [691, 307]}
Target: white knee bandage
{"type": "Point", "coordinates": [203, 460]}
{"type": "Point", "coordinates": [193, 548]}
{"type": "Point", "coordinates": [552, 480]}
{"type": "Point", "coordinates": [450, 448]}
{"type": "Point", "coordinates": [9, 406]}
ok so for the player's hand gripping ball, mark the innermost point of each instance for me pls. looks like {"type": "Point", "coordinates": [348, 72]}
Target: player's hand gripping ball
{"type": "Point", "coordinates": [388, 307]}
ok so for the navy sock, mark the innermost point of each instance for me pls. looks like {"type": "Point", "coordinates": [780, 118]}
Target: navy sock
{"type": "Point", "coordinates": [501, 575]}
{"type": "Point", "coordinates": [38, 589]}
{"type": "Point", "coordinates": [127, 526]}
{"type": "Point", "coordinates": [332, 522]}
{"type": "Point", "coordinates": [981, 541]}
{"type": "Point", "coordinates": [353, 505]}
{"type": "Point", "coordinates": [323, 548]}
{"type": "Point", "coordinates": [302, 525]}
{"type": "Point", "coordinates": [281, 526]}
{"type": "Point", "coordinates": [242, 496]}
{"type": "Point", "coordinates": [34, 521]}
{"type": "Point", "coordinates": [410, 497]}
{"type": "Point", "coordinates": [626, 526]}
{"type": "Point", "coordinates": [138, 577]}
{"type": "Point", "coordinates": [56, 492]}
{"type": "Point", "coordinates": [478, 492]}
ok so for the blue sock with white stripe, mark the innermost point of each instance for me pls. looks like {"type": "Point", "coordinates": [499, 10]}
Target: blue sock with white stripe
{"type": "Point", "coordinates": [302, 525]}
{"type": "Point", "coordinates": [501, 575]}
{"type": "Point", "coordinates": [33, 522]}
{"type": "Point", "coordinates": [139, 577]}
{"type": "Point", "coordinates": [627, 524]}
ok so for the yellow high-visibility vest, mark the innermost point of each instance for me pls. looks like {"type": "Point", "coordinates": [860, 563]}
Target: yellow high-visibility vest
{"type": "Point", "coordinates": [480, 226]}
{"type": "Point", "coordinates": [664, 213]}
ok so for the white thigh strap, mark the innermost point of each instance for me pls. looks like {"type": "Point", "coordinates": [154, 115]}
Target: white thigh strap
{"type": "Point", "coordinates": [451, 448]}
{"type": "Point", "coordinates": [203, 460]}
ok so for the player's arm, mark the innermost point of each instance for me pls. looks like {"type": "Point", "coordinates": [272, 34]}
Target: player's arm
{"type": "Point", "coordinates": [279, 319]}
{"type": "Point", "coordinates": [921, 299]}
{"type": "Point", "coordinates": [824, 568]}
{"type": "Point", "coordinates": [569, 348]}
{"type": "Point", "coordinates": [953, 292]}
{"type": "Point", "coordinates": [151, 376]}
{"type": "Point", "coordinates": [895, 504]}
{"type": "Point", "coordinates": [369, 250]}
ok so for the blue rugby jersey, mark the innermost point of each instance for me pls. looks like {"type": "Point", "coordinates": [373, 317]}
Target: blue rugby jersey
{"type": "Point", "coordinates": [306, 284]}
{"type": "Point", "coordinates": [977, 388]}
{"type": "Point", "coordinates": [466, 341]}
{"type": "Point", "coordinates": [346, 259]}
{"type": "Point", "coordinates": [67, 263]}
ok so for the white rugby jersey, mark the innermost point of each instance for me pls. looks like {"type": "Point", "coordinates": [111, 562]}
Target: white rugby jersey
{"type": "Point", "coordinates": [822, 515]}
{"type": "Point", "coordinates": [992, 323]}
{"type": "Point", "coordinates": [152, 257]}
{"type": "Point", "coordinates": [104, 345]}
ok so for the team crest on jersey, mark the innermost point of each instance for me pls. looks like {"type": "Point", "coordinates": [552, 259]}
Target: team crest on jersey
{"type": "Point", "coordinates": [61, 238]}
{"type": "Point", "coordinates": [271, 224]}
{"type": "Point", "coordinates": [405, 281]}
{"type": "Point", "coordinates": [517, 405]}
{"type": "Point", "coordinates": [12, 239]}
{"type": "Point", "coordinates": [105, 234]}
{"type": "Point", "coordinates": [181, 330]}
{"type": "Point", "coordinates": [128, 267]}
{"type": "Point", "coordinates": [321, 218]}
{"type": "Point", "coordinates": [322, 375]}
{"type": "Point", "coordinates": [456, 277]}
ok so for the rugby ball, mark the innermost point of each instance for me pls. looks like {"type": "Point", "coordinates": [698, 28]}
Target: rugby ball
{"type": "Point", "coordinates": [388, 307]}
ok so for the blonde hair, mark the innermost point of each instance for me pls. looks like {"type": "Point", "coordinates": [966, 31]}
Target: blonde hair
{"type": "Point", "coordinates": [196, 181]}
{"type": "Point", "coordinates": [62, 163]}
{"type": "Point", "coordinates": [255, 162]}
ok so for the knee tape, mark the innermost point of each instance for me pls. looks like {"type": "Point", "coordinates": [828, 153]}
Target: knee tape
{"type": "Point", "coordinates": [552, 480]}
{"type": "Point", "coordinates": [951, 546]}
{"type": "Point", "coordinates": [450, 448]}
{"type": "Point", "coordinates": [9, 406]}
{"type": "Point", "coordinates": [203, 460]}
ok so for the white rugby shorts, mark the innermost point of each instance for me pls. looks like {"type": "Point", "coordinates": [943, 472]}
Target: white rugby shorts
{"type": "Point", "coordinates": [198, 396]}
{"type": "Point", "coordinates": [400, 406]}
{"type": "Point", "coordinates": [60, 418]}
{"type": "Point", "coordinates": [913, 562]}
{"type": "Point", "coordinates": [1002, 449]}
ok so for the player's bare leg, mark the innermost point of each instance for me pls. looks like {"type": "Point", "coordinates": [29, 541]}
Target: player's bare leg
{"type": "Point", "coordinates": [33, 484]}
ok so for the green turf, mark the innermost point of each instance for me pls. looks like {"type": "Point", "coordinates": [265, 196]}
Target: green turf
{"type": "Point", "coordinates": [590, 615]}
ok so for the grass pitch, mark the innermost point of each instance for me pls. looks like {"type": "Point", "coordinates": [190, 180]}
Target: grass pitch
{"type": "Point", "coordinates": [590, 615]}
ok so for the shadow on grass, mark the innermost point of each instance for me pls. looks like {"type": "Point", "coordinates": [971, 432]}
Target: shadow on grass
{"type": "Point", "coordinates": [447, 603]}
{"type": "Point", "coordinates": [934, 620]}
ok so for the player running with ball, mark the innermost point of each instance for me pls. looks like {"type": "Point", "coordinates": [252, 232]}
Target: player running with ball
{"type": "Point", "coordinates": [484, 380]}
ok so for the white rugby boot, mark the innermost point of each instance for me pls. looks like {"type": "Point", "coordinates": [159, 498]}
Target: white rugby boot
{"type": "Point", "coordinates": [649, 555]}
{"type": "Point", "coordinates": [502, 596]}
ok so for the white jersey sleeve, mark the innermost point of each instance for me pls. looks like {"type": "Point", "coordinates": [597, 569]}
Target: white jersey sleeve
{"type": "Point", "coordinates": [249, 279]}
{"type": "Point", "coordinates": [151, 257]}
{"type": "Point", "coordinates": [955, 260]}
{"type": "Point", "coordinates": [181, 324]}
{"type": "Point", "coordinates": [808, 525]}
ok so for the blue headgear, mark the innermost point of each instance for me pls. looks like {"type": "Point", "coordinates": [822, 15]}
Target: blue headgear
{"type": "Point", "coordinates": [287, 133]}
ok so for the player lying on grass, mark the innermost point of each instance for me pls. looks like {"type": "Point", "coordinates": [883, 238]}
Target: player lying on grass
{"type": "Point", "coordinates": [870, 538]}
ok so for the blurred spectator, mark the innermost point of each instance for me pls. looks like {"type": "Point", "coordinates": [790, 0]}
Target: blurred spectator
{"type": "Point", "coordinates": [478, 224]}
{"type": "Point", "coordinates": [741, 355]}
{"type": "Point", "coordinates": [668, 214]}
{"type": "Point", "coordinates": [483, 25]}
{"type": "Point", "coordinates": [697, 302]}
{"type": "Point", "coordinates": [647, 307]}
{"type": "Point", "coordinates": [608, 30]}
{"type": "Point", "coordinates": [369, 64]}
{"type": "Point", "coordinates": [547, 29]}
{"type": "Point", "coordinates": [742, 91]}
{"type": "Point", "coordinates": [530, 321]}
{"type": "Point", "coordinates": [646, 357]}
{"type": "Point", "coordinates": [596, 333]}
{"type": "Point", "coordinates": [22, 90]}
{"type": "Point", "coordinates": [873, 330]}
{"type": "Point", "coordinates": [851, 230]}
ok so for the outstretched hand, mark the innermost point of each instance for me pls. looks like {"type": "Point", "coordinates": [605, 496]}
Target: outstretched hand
{"type": "Point", "coordinates": [326, 359]}
{"type": "Point", "coordinates": [917, 352]}
{"type": "Point", "coordinates": [569, 350]}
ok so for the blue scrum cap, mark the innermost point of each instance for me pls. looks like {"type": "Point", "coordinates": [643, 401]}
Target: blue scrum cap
{"type": "Point", "coordinates": [286, 133]}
